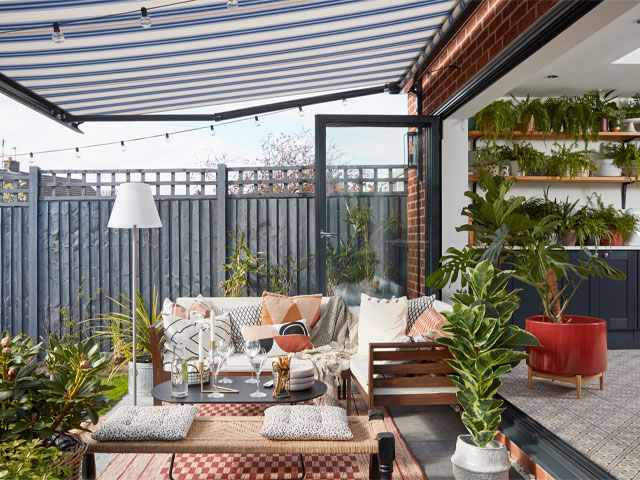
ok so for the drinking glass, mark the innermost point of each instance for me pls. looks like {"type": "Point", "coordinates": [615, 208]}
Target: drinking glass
{"type": "Point", "coordinates": [224, 347]}
{"type": "Point", "coordinates": [251, 349]}
{"type": "Point", "coordinates": [179, 375]}
{"type": "Point", "coordinates": [215, 363]}
{"type": "Point", "coordinates": [257, 363]}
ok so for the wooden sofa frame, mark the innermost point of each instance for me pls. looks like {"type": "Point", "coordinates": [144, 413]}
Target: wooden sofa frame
{"type": "Point", "coordinates": [429, 370]}
{"type": "Point", "coordinates": [241, 435]}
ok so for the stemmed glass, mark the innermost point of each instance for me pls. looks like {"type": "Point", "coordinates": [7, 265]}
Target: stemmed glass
{"type": "Point", "coordinates": [257, 363]}
{"type": "Point", "coordinates": [215, 363]}
{"type": "Point", "coordinates": [224, 347]}
{"type": "Point", "coordinates": [251, 349]}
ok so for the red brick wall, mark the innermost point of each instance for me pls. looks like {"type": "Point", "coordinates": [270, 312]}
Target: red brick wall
{"type": "Point", "coordinates": [492, 27]}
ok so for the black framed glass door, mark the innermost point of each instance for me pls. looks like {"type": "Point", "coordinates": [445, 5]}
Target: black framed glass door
{"type": "Point", "coordinates": [366, 236]}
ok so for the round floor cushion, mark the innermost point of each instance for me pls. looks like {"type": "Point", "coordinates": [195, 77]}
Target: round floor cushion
{"type": "Point", "coordinates": [306, 422]}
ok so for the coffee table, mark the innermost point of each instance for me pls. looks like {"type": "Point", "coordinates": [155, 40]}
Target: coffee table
{"type": "Point", "coordinates": [163, 392]}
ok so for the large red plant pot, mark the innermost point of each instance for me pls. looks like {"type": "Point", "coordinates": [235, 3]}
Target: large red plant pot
{"type": "Point", "coordinates": [578, 347]}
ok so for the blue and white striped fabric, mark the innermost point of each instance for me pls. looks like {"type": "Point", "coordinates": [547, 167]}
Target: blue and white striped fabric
{"type": "Point", "coordinates": [199, 53]}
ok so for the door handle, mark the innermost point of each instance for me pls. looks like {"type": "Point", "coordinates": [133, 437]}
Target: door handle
{"type": "Point", "coordinates": [605, 254]}
{"type": "Point", "coordinates": [328, 234]}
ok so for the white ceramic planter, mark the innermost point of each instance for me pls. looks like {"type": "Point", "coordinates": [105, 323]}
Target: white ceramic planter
{"type": "Point", "coordinates": [145, 379]}
{"type": "Point", "coordinates": [471, 462]}
{"type": "Point", "coordinates": [515, 169]}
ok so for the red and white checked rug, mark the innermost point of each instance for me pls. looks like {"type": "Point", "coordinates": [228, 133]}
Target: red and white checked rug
{"type": "Point", "coordinates": [260, 467]}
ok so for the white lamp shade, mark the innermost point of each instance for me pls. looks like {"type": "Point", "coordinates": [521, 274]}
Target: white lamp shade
{"type": "Point", "coordinates": [134, 207]}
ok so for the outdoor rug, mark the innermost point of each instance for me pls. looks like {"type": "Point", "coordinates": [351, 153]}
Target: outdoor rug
{"type": "Point", "coordinates": [260, 467]}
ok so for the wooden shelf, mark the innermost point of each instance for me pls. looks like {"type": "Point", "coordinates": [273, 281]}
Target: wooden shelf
{"type": "Point", "coordinates": [534, 179]}
{"type": "Point", "coordinates": [602, 136]}
{"type": "Point", "coordinates": [623, 181]}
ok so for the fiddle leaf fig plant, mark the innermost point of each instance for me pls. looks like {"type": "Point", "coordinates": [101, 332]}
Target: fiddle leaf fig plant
{"type": "Point", "coordinates": [481, 340]}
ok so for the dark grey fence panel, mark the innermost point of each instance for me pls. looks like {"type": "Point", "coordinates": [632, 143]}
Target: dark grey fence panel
{"type": "Point", "coordinates": [57, 252]}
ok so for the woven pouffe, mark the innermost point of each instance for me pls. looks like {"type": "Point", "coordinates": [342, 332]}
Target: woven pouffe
{"type": "Point", "coordinates": [74, 461]}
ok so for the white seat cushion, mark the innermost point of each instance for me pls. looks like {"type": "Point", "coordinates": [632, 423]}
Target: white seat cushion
{"type": "Point", "coordinates": [360, 370]}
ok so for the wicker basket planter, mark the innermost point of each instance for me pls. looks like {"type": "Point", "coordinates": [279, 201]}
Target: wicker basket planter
{"type": "Point", "coordinates": [74, 461]}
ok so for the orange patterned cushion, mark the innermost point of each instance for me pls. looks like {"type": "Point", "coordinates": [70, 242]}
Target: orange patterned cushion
{"type": "Point", "coordinates": [429, 321]}
{"type": "Point", "coordinates": [280, 309]}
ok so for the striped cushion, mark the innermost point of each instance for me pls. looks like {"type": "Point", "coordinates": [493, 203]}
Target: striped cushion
{"type": "Point", "coordinates": [429, 321]}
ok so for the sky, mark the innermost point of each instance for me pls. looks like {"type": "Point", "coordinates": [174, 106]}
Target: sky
{"type": "Point", "coordinates": [26, 131]}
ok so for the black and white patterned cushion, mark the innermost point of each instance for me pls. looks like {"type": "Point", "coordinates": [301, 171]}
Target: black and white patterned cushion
{"type": "Point", "coordinates": [183, 332]}
{"type": "Point", "coordinates": [242, 317]}
{"type": "Point", "coordinates": [147, 423]}
{"type": "Point", "coordinates": [306, 422]}
{"type": "Point", "coordinates": [416, 307]}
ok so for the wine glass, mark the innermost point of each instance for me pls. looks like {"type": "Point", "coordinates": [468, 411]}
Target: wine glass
{"type": "Point", "coordinates": [224, 347]}
{"type": "Point", "coordinates": [215, 363]}
{"type": "Point", "coordinates": [258, 363]}
{"type": "Point", "coordinates": [251, 349]}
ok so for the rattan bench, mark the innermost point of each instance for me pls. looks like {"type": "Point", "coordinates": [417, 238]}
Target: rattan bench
{"type": "Point", "coordinates": [242, 435]}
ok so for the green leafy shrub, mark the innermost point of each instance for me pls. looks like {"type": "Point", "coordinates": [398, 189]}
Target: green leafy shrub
{"type": "Point", "coordinates": [29, 460]}
{"type": "Point", "coordinates": [481, 340]}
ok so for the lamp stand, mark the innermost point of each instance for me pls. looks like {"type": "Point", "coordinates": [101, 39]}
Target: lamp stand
{"type": "Point", "coordinates": [134, 262]}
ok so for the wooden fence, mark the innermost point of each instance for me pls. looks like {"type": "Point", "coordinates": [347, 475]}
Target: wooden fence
{"type": "Point", "coordinates": [57, 254]}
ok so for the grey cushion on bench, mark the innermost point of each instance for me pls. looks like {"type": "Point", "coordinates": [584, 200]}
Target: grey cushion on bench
{"type": "Point", "coordinates": [306, 422]}
{"type": "Point", "coordinates": [147, 423]}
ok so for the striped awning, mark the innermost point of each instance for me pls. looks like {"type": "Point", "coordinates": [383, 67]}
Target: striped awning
{"type": "Point", "coordinates": [199, 53]}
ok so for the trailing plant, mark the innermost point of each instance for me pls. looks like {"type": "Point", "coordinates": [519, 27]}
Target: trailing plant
{"type": "Point", "coordinates": [481, 340]}
{"type": "Point", "coordinates": [512, 240]}
{"type": "Point", "coordinates": [565, 161]}
{"type": "Point", "coordinates": [602, 103]}
{"type": "Point", "coordinates": [44, 403]}
{"type": "Point", "coordinates": [625, 155]}
{"type": "Point", "coordinates": [117, 326]}
{"type": "Point", "coordinates": [530, 161]}
{"type": "Point", "coordinates": [497, 117]}
{"type": "Point", "coordinates": [631, 108]}
{"type": "Point", "coordinates": [528, 108]}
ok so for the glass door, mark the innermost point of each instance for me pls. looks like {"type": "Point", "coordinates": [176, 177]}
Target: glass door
{"type": "Point", "coordinates": [367, 233]}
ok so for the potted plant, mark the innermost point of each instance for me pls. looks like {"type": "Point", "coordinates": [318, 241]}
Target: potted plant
{"type": "Point", "coordinates": [118, 328]}
{"type": "Point", "coordinates": [511, 240]}
{"type": "Point", "coordinates": [626, 156]}
{"type": "Point", "coordinates": [497, 117]}
{"type": "Point", "coordinates": [42, 404]}
{"type": "Point", "coordinates": [565, 161]}
{"type": "Point", "coordinates": [618, 225]}
{"type": "Point", "coordinates": [603, 105]}
{"type": "Point", "coordinates": [567, 226]}
{"type": "Point", "coordinates": [480, 340]}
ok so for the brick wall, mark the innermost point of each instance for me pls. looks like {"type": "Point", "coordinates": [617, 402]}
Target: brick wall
{"type": "Point", "coordinates": [492, 27]}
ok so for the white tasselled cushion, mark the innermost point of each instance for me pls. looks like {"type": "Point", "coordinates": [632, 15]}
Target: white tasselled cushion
{"type": "Point", "coordinates": [132, 424]}
{"type": "Point", "coordinates": [306, 422]}
{"type": "Point", "coordinates": [380, 321]}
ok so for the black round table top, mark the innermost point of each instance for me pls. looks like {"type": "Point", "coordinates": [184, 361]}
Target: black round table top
{"type": "Point", "coordinates": [162, 392]}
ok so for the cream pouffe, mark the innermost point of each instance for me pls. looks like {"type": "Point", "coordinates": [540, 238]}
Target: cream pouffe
{"type": "Point", "coordinates": [381, 320]}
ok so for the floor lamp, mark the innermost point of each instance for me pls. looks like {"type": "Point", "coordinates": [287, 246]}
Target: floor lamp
{"type": "Point", "coordinates": [134, 208]}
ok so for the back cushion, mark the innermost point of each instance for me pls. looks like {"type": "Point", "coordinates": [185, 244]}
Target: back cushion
{"type": "Point", "coordinates": [280, 309]}
{"type": "Point", "coordinates": [381, 321]}
{"type": "Point", "coordinates": [242, 317]}
{"type": "Point", "coordinates": [417, 306]}
{"type": "Point", "coordinates": [429, 321]}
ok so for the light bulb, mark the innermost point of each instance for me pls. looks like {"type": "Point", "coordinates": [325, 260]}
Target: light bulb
{"type": "Point", "coordinates": [30, 157]}
{"type": "Point", "coordinates": [123, 147]}
{"type": "Point", "coordinates": [145, 21]}
{"type": "Point", "coordinates": [300, 112]}
{"type": "Point", "coordinates": [213, 131]}
{"type": "Point", "coordinates": [166, 138]}
{"type": "Point", "coordinates": [78, 152]}
{"type": "Point", "coordinates": [257, 121]}
{"type": "Point", "coordinates": [344, 102]}
{"type": "Point", "coordinates": [57, 36]}
{"type": "Point", "coordinates": [232, 4]}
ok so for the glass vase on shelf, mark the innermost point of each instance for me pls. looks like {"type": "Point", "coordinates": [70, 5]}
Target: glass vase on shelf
{"type": "Point", "coordinates": [179, 374]}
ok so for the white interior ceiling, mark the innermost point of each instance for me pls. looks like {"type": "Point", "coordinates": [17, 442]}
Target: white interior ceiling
{"type": "Point", "coordinates": [589, 65]}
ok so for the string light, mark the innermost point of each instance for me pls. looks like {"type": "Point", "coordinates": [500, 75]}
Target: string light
{"type": "Point", "coordinates": [145, 21]}
{"type": "Point", "coordinates": [344, 102]}
{"type": "Point", "coordinates": [30, 157]}
{"type": "Point", "coordinates": [213, 131]}
{"type": "Point", "coordinates": [300, 112]}
{"type": "Point", "coordinates": [257, 120]}
{"type": "Point", "coordinates": [57, 36]}
{"type": "Point", "coordinates": [78, 153]}
{"type": "Point", "coordinates": [166, 138]}
{"type": "Point", "coordinates": [123, 147]}
{"type": "Point", "coordinates": [232, 4]}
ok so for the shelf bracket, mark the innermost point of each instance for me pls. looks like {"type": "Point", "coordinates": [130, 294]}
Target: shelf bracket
{"type": "Point", "coordinates": [624, 194]}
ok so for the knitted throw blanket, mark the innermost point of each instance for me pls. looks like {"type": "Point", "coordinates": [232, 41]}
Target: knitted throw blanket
{"type": "Point", "coordinates": [335, 337]}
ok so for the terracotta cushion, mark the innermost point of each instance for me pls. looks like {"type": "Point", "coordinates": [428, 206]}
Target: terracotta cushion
{"type": "Point", "coordinates": [278, 309]}
{"type": "Point", "coordinates": [429, 321]}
